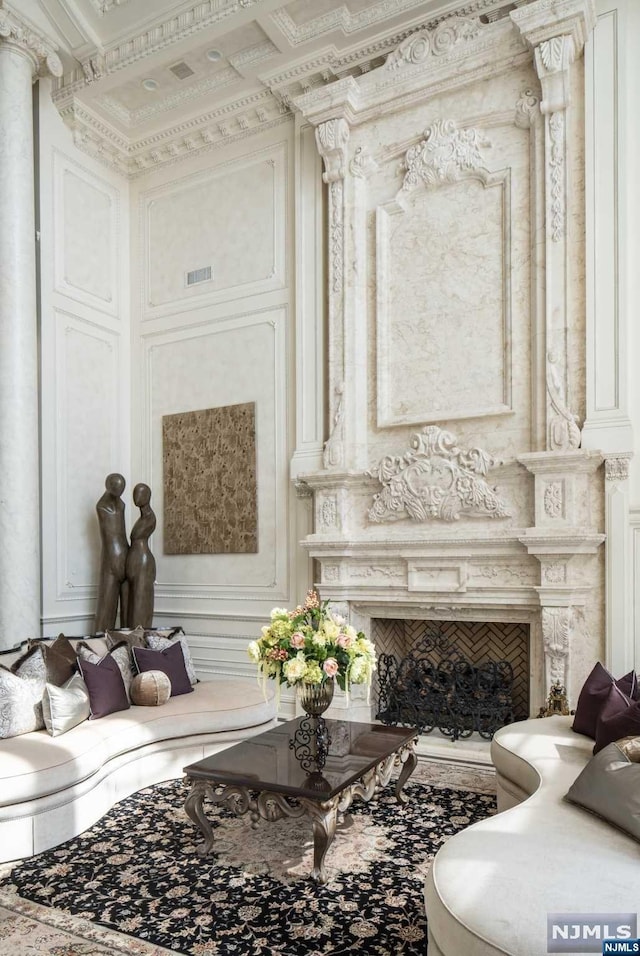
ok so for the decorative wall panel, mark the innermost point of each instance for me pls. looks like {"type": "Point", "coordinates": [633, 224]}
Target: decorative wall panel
{"type": "Point", "coordinates": [88, 417]}
{"type": "Point", "coordinates": [229, 220]}
{"type": "Point", "coordinates": [188, 370]}
{"type": "Point", "coordinates": [87, 227]}
{"type": "Point", "coordinates": [443, 273]}
{"type": "Point", "coordinates": [210, 495]}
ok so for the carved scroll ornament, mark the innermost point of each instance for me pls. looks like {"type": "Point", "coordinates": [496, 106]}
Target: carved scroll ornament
{"type": "Point", "coordinates": [443, 154]}
{"type": "Point", "coordinates": [419, 47]}
{"type": "Point", "coordinates": [436, 479]}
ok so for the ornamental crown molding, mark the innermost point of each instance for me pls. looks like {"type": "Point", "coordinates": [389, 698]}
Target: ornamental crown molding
{"type": "Point", "coordinates": [199, 16]}
{"type": "Point", "coordinates": [17, 32]}
{"type": "Point", "coordinates": [544, 19]}
{"type": "Point", "coordinates": [226, 124]}
{"type": "Point", "coordinates": [435, 478]}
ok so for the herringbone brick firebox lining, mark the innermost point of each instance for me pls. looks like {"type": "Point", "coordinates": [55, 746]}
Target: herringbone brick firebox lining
{"type": "Point", "coordinates": [478, 642]}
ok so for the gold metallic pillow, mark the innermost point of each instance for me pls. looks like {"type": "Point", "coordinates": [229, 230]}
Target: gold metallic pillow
{"type": "Point", "coordinates": [630, 747]}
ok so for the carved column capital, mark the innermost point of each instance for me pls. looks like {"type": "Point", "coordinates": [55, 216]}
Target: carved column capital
{"type": "Point", "coordinates": [332, 138]}
{"type": "Point", "coordinates": [556, 30]}
{"type": "Point", "coordinates": [18, 34]}
{"type": "Point", "coordinates": [616, 467]}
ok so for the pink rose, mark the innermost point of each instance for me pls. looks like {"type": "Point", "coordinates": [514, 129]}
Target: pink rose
{"type": "Point", "coordinates": [297, 640]}
{"type": "Point", "coordinates": [344, 640]}
{"type": "Point", "coordinates": [330, 667]}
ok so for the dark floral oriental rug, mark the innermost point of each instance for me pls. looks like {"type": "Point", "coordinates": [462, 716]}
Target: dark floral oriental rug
{"type": "Point", "coordinates": [134, 884]}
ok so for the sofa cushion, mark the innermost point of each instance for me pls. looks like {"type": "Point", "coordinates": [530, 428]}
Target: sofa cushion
{"type": "Point", "coordinates": [36, 765]}
{"type": "Point", "coordinates": [59, 657]}
{"type": "Point", "coordinates": [610, 787]}
{"type": "Point", "coordinates": [170, 661]}
{"type": "Point", "coordinates": [21, 690]}
{"type": "Point", "coordinates": [160, 642]}
{"type": "Point", "coordinates": [65, 707]}
{"type": "Point", "coordinates": [133, 638]}
{"type": "Point", "coordinates": [119, 653]}
{"type": "Point", "coordinates": [593, 696]}
{"type": "Point", "coordinates": [150, 689]}
{"type": "Point", "coordinates": [107, 693]}
{"type": "Point", "coordinates": [620, 717]}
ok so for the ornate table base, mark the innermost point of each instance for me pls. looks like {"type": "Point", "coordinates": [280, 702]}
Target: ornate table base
{"type": "Point", "coordinates": [275, 806]}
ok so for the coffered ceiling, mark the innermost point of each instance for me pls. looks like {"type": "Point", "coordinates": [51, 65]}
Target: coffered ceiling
{"type": "Point", "coordinates": [146, 81]}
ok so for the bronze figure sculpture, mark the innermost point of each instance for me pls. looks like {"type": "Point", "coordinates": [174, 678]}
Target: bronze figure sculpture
{"type": "Point", "coordinates": [140, 563]}
{"type": "Point", "coordinates": [112, 585]}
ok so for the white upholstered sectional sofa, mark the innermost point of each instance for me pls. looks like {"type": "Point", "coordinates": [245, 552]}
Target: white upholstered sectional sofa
{"type": "Point", "coordinates": [492, 885]}
{"type": "Point", "coordinates": [53, 788]}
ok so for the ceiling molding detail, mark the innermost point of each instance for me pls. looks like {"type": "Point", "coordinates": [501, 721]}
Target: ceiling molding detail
{"type": "Point", "coordinates": [134, 48]}
{"type": "Point", "coordinates": [104, 6]}
{"type": "Point", "coordinates": [218, 127]}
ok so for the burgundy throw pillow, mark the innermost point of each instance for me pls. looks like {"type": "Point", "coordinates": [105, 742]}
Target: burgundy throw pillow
{"type": "Point", "coordinates": [620, 717]}
{"type": "Point", "coordinates": [107, 693]}
{"type": "Point", "coordinates": [592, 699]}
{"type": "Point", "coordinates": [170, 661]}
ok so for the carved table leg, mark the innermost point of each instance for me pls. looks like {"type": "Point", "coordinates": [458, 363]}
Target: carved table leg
{"type": "Point", "coordinates": [195, 812]}
{"type": "Point", "coordinates": [409, 765]}
{"type": "Point", "coordinates": [325, 818]}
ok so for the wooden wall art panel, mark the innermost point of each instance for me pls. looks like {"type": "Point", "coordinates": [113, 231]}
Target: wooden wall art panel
{"type": "Point", "coordinates": [210, 487]}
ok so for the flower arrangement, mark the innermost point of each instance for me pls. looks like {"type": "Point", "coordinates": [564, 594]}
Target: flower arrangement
{"type": "Point", "coordinates": [312, 644]}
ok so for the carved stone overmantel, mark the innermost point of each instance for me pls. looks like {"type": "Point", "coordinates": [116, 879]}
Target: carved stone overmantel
{"type": "Point", "coordinates": [459, 213]}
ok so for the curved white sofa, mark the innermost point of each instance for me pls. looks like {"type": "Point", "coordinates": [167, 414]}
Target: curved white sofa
{"type": "Point", "coordinates": [53, 788]}
{"type": "Point", "coordinates": [492, 885]}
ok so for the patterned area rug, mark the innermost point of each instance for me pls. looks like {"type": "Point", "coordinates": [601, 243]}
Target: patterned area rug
{"type": "Point", "coordinates": [134, 884]}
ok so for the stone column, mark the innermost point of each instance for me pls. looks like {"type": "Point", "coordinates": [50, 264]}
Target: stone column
{"type": "Point", "coordinates": [557, 37]}
{"type": "Point", "coordinates": [332, 137]}
{"type": "Point", "coordinates": [23, 54]}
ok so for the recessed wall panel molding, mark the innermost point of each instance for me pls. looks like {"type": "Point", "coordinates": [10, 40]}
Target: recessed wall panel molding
{"type": "Point", "coordinates": [443, 255]}
{"type": "Point", "coordinates": [87, 242]}
{"type": "Point", "coordinates": [216, 235]}
{"type": "Point", "coordinates": [241, 360]}
{"type": "Point", "coordinates": [608, 97]}
{"type": "Point", "coordinates": [88, 421]}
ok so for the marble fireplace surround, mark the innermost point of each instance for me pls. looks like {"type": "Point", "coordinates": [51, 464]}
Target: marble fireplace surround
{"type": "Point", "coordinates": [454, 485]}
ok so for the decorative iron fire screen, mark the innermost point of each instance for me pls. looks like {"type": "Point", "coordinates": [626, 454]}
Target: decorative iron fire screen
{"type": "Point", "coordinates": [436, 687]}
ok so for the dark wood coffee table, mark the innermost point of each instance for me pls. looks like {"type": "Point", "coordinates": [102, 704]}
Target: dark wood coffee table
{"type": "Point", "coordinates": [270, 778]}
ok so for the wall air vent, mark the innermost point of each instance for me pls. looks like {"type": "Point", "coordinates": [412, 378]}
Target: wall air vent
{"type": "Point", "coordinates": [199, 275]}
{"type": "Point", "coordinates": [182, 70]}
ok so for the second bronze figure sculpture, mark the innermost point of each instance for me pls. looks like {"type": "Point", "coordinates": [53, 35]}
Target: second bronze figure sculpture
{"type": "Point", "coordinates": [141, 564]}
{"type": "Point", "coordinates": [127, 572]}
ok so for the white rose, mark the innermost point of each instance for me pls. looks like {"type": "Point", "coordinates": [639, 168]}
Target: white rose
{"type": "Point", "coordinates": [253, 650]}
{"type": "Point", "coordinates": [294, 670]}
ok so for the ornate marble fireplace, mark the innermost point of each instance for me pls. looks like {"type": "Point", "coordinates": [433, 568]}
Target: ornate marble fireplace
{"type": "Point", "coordinates": [454, 486]}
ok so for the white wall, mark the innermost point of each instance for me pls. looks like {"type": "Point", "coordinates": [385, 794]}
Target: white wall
{"type": "Point", "coordinates": [612, 75]}
{"type": "Point", "coordinates": [228, 341]}
{"type": "Point", "coordinates": [85, 370]}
